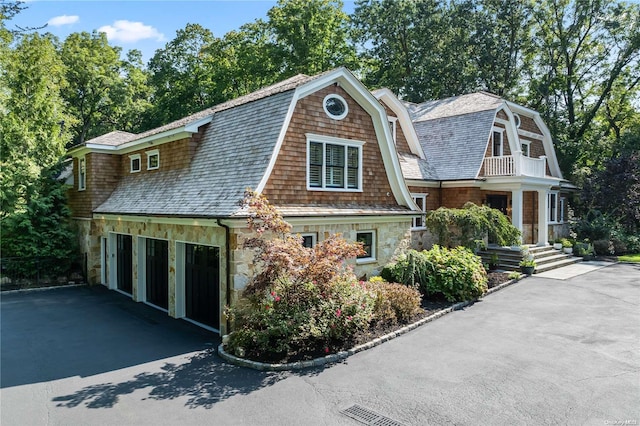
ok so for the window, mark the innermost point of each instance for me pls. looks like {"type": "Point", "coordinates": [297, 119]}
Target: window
{"type": "Point", "coordinates": [517, 121]}
{"type": "Point", "coordinates": [561, 209]}
{"type": "Point", "coordinates": [135, 163]}
{"type": "Point", "coordinates": [553, 207]}
{"type": "Point", "coordinates": [153, 159]}
{"type": "Point", "coordinates": [334, 164]}
{"type": "Point", "coordinates": [393, 123]}
{"type": "Point", "coordinates": [526, 149]}
{"type": "Point", "coordinates": [421, 202]}
{"type": "Point", "coordinates": [497, 143]}
{"type": "Point", "coordinates": [368, 240]}
{"type": "Point", "coordinates": [309, 240]}
{"type": "Point", "coordinates": [82, 174]}
{"type": "Point", "coordinates": [335, 106]}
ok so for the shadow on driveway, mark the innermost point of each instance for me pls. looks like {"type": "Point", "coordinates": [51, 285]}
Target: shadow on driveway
{"type": "Point", "coordinates": [204, 379]}
{"type": "Point", "coordinates": [82, 331]}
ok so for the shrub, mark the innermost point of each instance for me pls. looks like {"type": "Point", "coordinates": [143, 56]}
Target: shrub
{"type": "Point", "coordinates": [471, 224]}
{"type": "Point", "coordinates": [395, 303]}
{"type": "Point", "coordinates": [456, 274]}
{"type": "Point", "coordinates": [303, 300]}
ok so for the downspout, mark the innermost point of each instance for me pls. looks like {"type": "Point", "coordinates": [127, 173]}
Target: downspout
{"type": "Point", "coordinates": [440, 195]}
{"type": "Point", "coordinates": [227, 233]}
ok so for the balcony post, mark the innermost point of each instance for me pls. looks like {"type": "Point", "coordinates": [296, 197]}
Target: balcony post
{"type": "Point", "coordinates": [517, 163]}
{"type": "Point", "coordinates": [543, 224]}
{"type": "Point", "coordinates": [544, 165]}
{"type": "Point", "coordinates": [516, 209]}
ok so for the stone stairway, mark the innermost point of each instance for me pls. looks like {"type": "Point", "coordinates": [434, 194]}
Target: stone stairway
{"type": "Point", "coordinates": [546, 257]}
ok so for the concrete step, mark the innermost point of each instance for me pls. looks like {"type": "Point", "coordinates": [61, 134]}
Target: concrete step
{"type": "Point", "coordinates": [552, 258]}
{"type": "Point", "coordinates": [570, 260]}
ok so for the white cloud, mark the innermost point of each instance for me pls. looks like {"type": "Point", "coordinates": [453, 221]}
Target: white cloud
{"type": "Point", "coordinates": [58, 21]}
{"type": "Point", "coordinates": [130, 32]}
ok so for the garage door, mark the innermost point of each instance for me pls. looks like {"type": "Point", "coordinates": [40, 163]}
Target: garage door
{"type": "Point", "coordinates": [124, 263]}
{"type": "Point", "coordinates": [157, 272]}
{"type": "Point", "coordinates": [202, 284]}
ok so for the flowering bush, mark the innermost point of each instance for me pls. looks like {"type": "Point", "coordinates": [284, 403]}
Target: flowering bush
{"type": "Point", "coordinates": [304, 300]}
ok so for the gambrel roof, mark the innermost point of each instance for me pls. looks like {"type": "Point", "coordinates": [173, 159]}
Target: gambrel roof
{"type": "Point", "coordinates": [239, 144]}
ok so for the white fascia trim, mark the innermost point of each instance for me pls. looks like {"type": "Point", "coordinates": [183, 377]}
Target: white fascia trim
{"type": "Point", "coordinates": [462, 183]}
{"type": "Point", "coordinates": [154, 219]}
{"type": "Point", "coordinates": [530, 135]}
{"type": "Point", "coordinates": [364, 98]}
{"type": "Point", "coordinates": [532, 183]}
{"type": "Point", "coordinates": [547, 140]}
{"type": "Point", "coordinates": [391, 100]}
{"type": "Point", "coordinates": [157, 139]}
{"type": "Point", "coordinates": [423, 183]}
{"type": "Point", "coordinates": [510, 127]}
{"type": "Point", "coordinates": [347, 220]}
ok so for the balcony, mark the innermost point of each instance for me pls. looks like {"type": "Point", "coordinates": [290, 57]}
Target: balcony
{"type": "Point", "coordinates": [515, 165]}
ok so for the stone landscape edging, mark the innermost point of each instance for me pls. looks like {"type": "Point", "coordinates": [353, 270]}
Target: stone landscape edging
{"type": "Point", "coordinates": [317, 362]}
{"type": "Point", "coordinates": [51, 287]}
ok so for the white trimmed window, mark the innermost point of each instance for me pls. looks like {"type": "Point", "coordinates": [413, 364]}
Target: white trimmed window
{"type": "Point", "coordinates": [393, 125]}
{"type": "Point", "coordinates": [561, 209]}
{"type": "Point", "coordinates": [309, 239]}
{"type": "Point", "coordinates": [497, 142]}
{"type": "Point", "coordinates": [82, 173]}
{"type": "Point", "coordinates": [526, 148]}
{"type": "Point", "coordinates": [368, 240]}
{"type": "Point", "coordinates": [417, 223]}
{"type": "Point", "coordinates": [153, 159]}
{"type": "Point", "coordinates": [135, 162]}
{"type": "Point", "coordinates": [516, 120]}
{"type": "Point", "coordinates": [553, 207]}
{"type": "Point", "coordinates": [335, 106]}
{"type": "Point", "coordinates": [334, 164]}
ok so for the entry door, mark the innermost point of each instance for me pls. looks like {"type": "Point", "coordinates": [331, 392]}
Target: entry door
{"type": "Point", "coordinates": [157, 272]}
{"type": "Point", "coordinates": [124, 257]}
{"type": "Point", "coordinates": [498, 202]}
{"type": "Point", "coordinates": [202, 284]}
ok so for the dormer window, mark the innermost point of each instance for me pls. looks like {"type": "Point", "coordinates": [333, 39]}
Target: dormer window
{"type": "Point", "coordinates": [134, 160]}
{"type": "Point", "coordinates": [497, 142]}
{"type": "Point", "coordinates": [82, 174]}
{"type": "Point", "coordinates": [153, 159]}
{"type": "Point", "coordinates": [393, 122]}
{"type": "Point", "coordinates": [335, 106]}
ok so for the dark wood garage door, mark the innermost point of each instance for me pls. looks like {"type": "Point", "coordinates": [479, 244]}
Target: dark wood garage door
{"type": "Point", "coordinates": [202, 284]}
{"type": "Point", "coordinates": [124, 263]}
{"type": "Point", "coordinates": [157, 272]}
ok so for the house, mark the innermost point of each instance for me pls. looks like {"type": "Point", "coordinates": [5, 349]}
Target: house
{"type": "Point", "coordinates": [484, 149]}
{"type": "Point", "coordinates": [159, 214]}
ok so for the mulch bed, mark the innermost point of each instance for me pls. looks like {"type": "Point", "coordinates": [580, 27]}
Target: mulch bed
{"type": "Point", "coordinates": [429, 307]}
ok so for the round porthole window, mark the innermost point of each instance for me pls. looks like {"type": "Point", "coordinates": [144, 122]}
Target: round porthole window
{"type": "Point", "coordinates": [516, 119]}
{"type": "Point", "coordinates": [335, 106]}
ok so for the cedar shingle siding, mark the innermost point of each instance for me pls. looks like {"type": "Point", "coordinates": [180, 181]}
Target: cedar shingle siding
{"type": "Point", "coordinates": [287, 184]}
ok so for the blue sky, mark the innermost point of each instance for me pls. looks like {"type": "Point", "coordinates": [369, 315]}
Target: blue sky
{"type": "Point", "coordinates": [143, 25]}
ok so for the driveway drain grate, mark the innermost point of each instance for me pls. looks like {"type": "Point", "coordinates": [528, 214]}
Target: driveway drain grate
{"type": "Point", "coordinates": [368, 417]}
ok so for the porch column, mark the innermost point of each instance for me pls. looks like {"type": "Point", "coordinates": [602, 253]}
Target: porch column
{"type": "Point", "coordinates": [543, 225]}
{"type": "Point", "coordinates": [516, 209]}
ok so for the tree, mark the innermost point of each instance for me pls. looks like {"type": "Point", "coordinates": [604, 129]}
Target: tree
{"type": "Point", "coordinates": [32, 118]}
{"type": "Point", "coordinates": [93, 70]}
{"type": "Point", "coordinates": [132, 96]}
{"type": "Point", "coordinates": [183, 75]}
{"type": "Point", "coordinates": [310, 36]}
{"type": "Point", "coordinates": [585, 57]}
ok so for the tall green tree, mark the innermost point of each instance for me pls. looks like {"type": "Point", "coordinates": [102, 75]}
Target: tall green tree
{"type": "Point", "coordinates": [93, 74]}
{"type": "Point", "coordinates": [33, 119]}
{"type": "Point", "coordinates": [132, 96]}
{"type": "Point", "coordinates": [585, 57]}
{"type": "Point", "coordinates": [311, 36]}
{"type": "Point", "coordinates": [183, 75]}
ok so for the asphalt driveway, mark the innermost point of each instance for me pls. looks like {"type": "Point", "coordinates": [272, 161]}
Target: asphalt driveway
{"type": "Point", "coordinates": [541, 351]}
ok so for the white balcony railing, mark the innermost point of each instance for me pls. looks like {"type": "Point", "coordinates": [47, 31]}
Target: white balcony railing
{"type": "Point", "coordinates": [515, 165]}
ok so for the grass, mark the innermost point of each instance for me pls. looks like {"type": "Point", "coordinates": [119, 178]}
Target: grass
{"type": "Point", "coordinates": [635, 258]}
